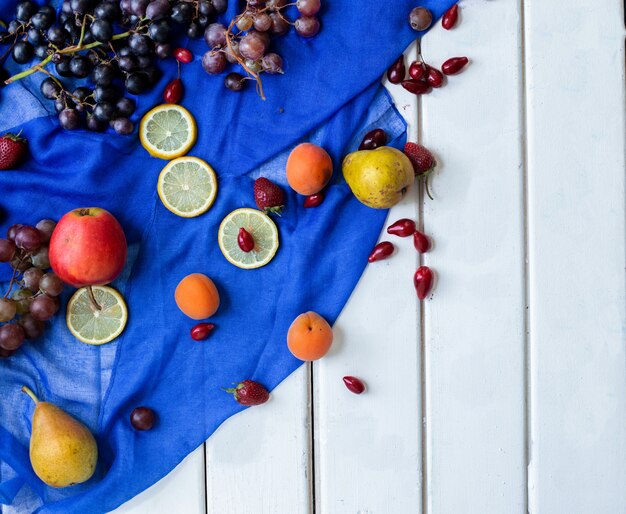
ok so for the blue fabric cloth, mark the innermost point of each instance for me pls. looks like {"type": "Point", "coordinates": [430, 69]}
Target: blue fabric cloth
{"type": "Point", "coordinates": [330, 96]}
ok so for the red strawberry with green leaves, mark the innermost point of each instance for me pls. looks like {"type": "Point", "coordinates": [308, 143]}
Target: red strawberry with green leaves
{"type": "Point", "coordinates": [422, 160]}
{"type": "Point", "coordinates": [249, 393]}
{"type": "Point", "coordinates": [268, 196]}
{"type": "Point", "coordinates": [12, 150]}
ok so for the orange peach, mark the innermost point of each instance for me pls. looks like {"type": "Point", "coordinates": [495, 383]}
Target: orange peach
{"type": "Point", "coordinates": [309, 169]}
{"type": "Point", "coordinates": [197, 296]}
{"type": "Point", "coordinates": [309, 337]}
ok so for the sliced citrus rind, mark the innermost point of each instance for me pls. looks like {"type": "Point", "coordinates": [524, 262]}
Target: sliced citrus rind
{"type": "Point", "coordinates": [263, 231]}
{"type": "Point", "coordinates": [92, 326]}
{"type": "Point", "coordinates": [187, 186]}
{"type": "Point", "coordinates": [167, 131]}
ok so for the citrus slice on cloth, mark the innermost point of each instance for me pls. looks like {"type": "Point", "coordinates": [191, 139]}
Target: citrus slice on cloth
{"type": "Point", "coordinates": [93, 326]}
{"type": "Point", "coordinates": [187, 186]}
{"type": "Point", "coordinates": [167, 131]}
{"type": "Point", "coordinates": [260, 227]}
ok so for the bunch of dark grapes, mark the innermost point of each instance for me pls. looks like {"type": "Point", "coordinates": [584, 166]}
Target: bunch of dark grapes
{"type": "Point", "coordinates": [25, 309]}
{"type": "Point", "coordinates": [246, 41]}
{"type": "Point", "coordinates": [111, 44]}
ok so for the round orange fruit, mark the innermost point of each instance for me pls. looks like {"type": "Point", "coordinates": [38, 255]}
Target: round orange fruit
{"type": "Point", "coordinates": [309, 337]}
{"type": "Point", "coordinates": [197, 296]}
{"type": "Point", "coordinates": [309, 168]}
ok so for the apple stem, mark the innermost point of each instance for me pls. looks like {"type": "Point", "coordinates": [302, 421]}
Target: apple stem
{"type": "Point", "coordinates": [93, 298]}
{"type": "Point", "coordinates": [30, 393]}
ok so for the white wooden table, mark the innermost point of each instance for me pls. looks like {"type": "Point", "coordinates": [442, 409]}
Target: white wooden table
{"type": "Point", "coordinates": [506, 392]}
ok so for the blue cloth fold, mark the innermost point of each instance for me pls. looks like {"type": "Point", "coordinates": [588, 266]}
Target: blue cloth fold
{"type": "Point", "coordinates": [330, 95]}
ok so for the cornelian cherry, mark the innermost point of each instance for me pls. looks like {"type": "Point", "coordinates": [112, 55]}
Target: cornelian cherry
{"type": "Point", "coordinates": [245, 240]}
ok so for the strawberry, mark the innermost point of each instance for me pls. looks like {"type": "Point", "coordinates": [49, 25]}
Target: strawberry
{"type": "Point", "coordinates": [12, 150]}
{"type": "Point", "coordinates": [268, 196]}
{"type": "Point", "coordinates": [249, 393]}
{"type": "Point", "coordinates": [421, 158]}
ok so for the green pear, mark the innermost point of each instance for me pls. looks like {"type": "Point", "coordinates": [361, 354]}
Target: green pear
{"type": "Point", "coordinates": [378, 178]}
{"type": "Point", "coordinates": [63, 451]}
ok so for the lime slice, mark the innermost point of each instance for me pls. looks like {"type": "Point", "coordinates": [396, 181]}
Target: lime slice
{"type": "Point", "coordinates": [167, 131]}
{"type": "Point", "coordinates": [263, 231]}
{"type": "Point", "coordinates": [187, 186]}
{"type": "Point", "coordinates": [93, 326]}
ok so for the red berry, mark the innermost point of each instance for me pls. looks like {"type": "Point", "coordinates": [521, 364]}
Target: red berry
{"type": "Point", "coordinates": [183, 55]}
{"type": "Point", "coordinates": [450, 16]}
{"type": "Point", "coordinates": [354, 384]}
{"type": "Point", "coordinates": [12, 150]}
{"type": "Point", "coordinates": [402, 228]}
{"type": "Point", "coordinates": [249, 392]}
{"type": "Point", "coordinates": [245, 240]}
{"type": "Point", "coordinates": [417, 70]}
{"type": "Point", "coordinates": [373, 139]}
{"type": "Point", "coordinates": [201, 331]}
{"type": "Point", "coordinates": [142, 418]}
{"type": "Point", "coordinates": [454, 65]}
{"type": "Point", "coordinates": [421, 242]}
{"type": "Point", "coordinates": [421, 158]}
{"type": "Point", "coordinates": [173, 92]}
{"type": "Point", "coordinates": [434, 77]}
{"type": "Point", "coordinates": [268, 196]}
{"type": "Point", "coordinates": [314, 200]}
{"type": "Point", "coordinates": [381, 251]}
{"type": "Point", "coordinates": [423, 281]}
{"type": "Point", "coordinates": [417, 87]}
{"type": "Point", "coordinates": [397, 71]}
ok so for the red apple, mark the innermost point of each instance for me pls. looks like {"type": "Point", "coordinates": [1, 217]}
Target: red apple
{"type": "Point", "coordinates": [87, 247]}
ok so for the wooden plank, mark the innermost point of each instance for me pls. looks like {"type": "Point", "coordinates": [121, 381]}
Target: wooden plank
{"type": "Point", "coordinates": [368, 447]}
{"type": "Point", "coordinates": [258, 460]}
{"type": "Point", "coordinates": [577, 253]}
{"type": "Point", "coordinates": [475, 321]}
{"type": "Point", "coordinates": [182, 490]}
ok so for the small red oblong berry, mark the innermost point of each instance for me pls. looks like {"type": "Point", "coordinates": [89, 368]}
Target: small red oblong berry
{"type": "Point", "coordinates": [454, 65]}
{"type": "Point", "coordinates": [381, 251]}
{"type": "Point", "coordinates": [450, 16]}
{"type": "Point", "coordinates": [201, 331]}
{"type": "Point", "coordinates": [183, 55]}
{"type": "Point", "coordinates": [355, 385]}
{"type": "Point", "coordinates": [417, 87]}
{"type": "Point", "coordinates": [434, 77]}
{"type": "Point", "coordinates": [173, 92]}
{"type": "Point", "coordinates": [314, 200]}
{"type": "Point", "coordinates": [417, 70]}
{"type": "Point", "coordinates": [421, 242]}
{"type": "Point", "coordinates": [402, 228]}
{"type": "Point", "coordinates": [245, 240]}
{"type": "Point", "coordinates": [397, 71]}
{"type": "Point", "coordinates": [423, 281]}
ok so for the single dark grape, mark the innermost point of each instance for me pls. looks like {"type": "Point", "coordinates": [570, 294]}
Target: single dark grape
{"type": "Point", "coordinates": [194, 31]}
{"type": "Point", "coordinates": [56, 35]}
{"type": "Point", "coordinates": [142, 418]}
{"type": "Point", "coordinates": [232, 52]}
{"type": "Point", "coordinates": [14, 26]}
{"type": "Point", "coordinates": [22, 298]}
{"type": "Point", "coordinates": [214, 62]}
{"type": "Point", "coordinates": [46, 227]}
{"type": "Point", "coordinates": [25, 10]}
{"type": "Point", "coordinates": [42, 20]}
{"type": "Point", "coordinates": [244, 22]}
{"type": "Point", "coordinates": [63, 102]}
{"type": "Point", "coordinates": [138, 7]}
{"type": "Point", "coordinates": [43, 307]}
{"type": "Point", "coordinates": [81, 6]}
{"type": "Point", "coordinates": [102, 30]}
{"type": "Point", "coordinates": [94, 124]}
{"type": "Point", "coordinates": [160, 31]}
{"type": "Point", "coordinates": [272, 63]}
{"type": "Point", "coordinates": [308, 7]}
{"type": "Point", "coordinates": [123, 126]}
{"type": "Point", "coordinates": [31, 278]}
{"type": "Point", "coordinates": [33, 328]}
{"type": "Point", "coordinates": [11, 336]}
{"type": "Point", "coordinates": [182, 12]}
{"type": "Point", "coordinates": [63, 68]}
{"type": "Point", "coordinates": [82, 93]}
{"type": "Point", "coordinates": [420, 18]}
{"type": "Point", "coordinates": [109, 11]}
{"type": "Point", "coordinates": [140, 44]}
{"type": "Point", "coordinates": [124, 107]}
{"type": "Point", "coordinates": [220, 5]}
{"type": "Point", "coordinates": [12, 231]}
{"type": "Point", "coordinates": [106, 93]}
{"type": "Point", "coordinates": [262, 22]}
{"type": "Point", "coordinates": [35, 36]}
{"type": "Point", "coordinates": [203, 21]}
{"type": "Point", "coordinates": [279, 25]}
{"type": "Point", "coordinates": [253, 45]}
{"type": "Point", "coordinates": [8, 310]}
{"type": "Point", "coordinates": [40, 258]}
{"type": "Point", "coordinates": [163, 50]}
{"type": "Point", "coordinates": [206, 8]}
{"type": "Point", "coordinates": [307, 26]}
{"type": "Point", "coordinates": [127, 63]}
{"type": "Point", "coordinates": [28, 239]}
{"type": "Point", "coordinates": [23, 52]}
{"type": "Point", "coordinates": [69, 119]}
{"type": "Point", "coordinates": [103, 74]}
{"type": "Point", "coordinates": [7, 250]}
{"type": "Point", "coordinates": [137, 83]}
{"type": "Point", "coordinates": [234, 81]}
{"type": "Point", "coordinates": [157, 9]}
{"type": "Point", "coordinates": [104, 111]}
{"type": "Point", "coordinates": [80, 66]}
{"type": "Point", "coordinates": [144, 61]}
{"type": "Point", "coordinates": [49, 88]}
{"type": "Point", "coordinates": [215, 35]}
{"type": "Point", "coordinates": [51, 284]}
{"type": "Point", "coordinates": [41, 51]}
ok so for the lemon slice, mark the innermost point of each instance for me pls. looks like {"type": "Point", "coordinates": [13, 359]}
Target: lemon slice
{"type": "Point", "coordinates": [263, 231]}
{"type": "Point", "coordinates": [93, 326]}
{"type": "Point", "coordinates": [187, 186]}
{"type": "Point", "coordinates": [167, 131]}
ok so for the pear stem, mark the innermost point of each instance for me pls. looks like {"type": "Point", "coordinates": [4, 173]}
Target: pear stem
{"type": "Point", "coordinates": [30, 393]}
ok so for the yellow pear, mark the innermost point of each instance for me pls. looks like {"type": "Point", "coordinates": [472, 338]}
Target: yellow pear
{"type": "Point", "coordinates": [378, 178]}
{"type": "Point", "coordinates": [63, 451]}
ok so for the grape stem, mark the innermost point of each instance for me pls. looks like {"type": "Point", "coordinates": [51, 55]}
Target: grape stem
{"type": "Point", "coordinates": [92, 297]}
{"type": "Point", "coordinates": [69, 50]}
{"type": "Point", "coordinates": [242, 63]}
{"type": "Point", "coordinates": [13, 277]}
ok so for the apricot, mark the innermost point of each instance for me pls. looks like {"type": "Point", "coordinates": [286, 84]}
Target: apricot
{"type": "Point", "coordinates": [309, 337]}
{"type": "Point", "coordinates": [309, 168]}
{"type": "Point", "coordinates": [197, 296]}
